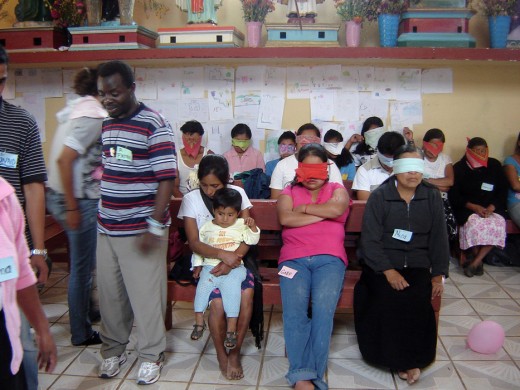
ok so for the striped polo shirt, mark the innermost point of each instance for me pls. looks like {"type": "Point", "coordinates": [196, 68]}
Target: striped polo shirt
{"type": "Point", "coordinates": [21, 155]}
{"type": "Point", "coordinates": [138, 153]}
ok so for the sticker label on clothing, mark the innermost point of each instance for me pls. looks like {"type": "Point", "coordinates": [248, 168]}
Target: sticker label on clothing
{"type": "Point", "coordinates": [123, 154]}
{"type": "Point", "coordinates": [8, 160]}
{"type": "Point", "coordinates": [8, 269]}
{"type": "Point", "coordinates": [287, 272]}
{"type": "Point", "coordinates": [402, 235]}
{"type": "Point", "coordinates": [487, 187]}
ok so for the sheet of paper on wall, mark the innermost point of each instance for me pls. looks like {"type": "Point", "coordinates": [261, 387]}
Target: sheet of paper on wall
{"type": "Point", "coordinates": [346, 105]}
{"type": "Point", "coordinates": [219, 77]}
{"type": "Point", "coordinates": [347, 129]}
{"type": "Point", "coordinates": [258, 133]}
{"type": "Point", "coordinates": [408, 84]}
{"type": "Point", "coordinates": [439, 80]}
{"type": "Point", "coordinates": [366, 78]}
{"type": "Point", "coordinates": [146, 89]}
{"type": "Point", "coordinates": [145, 83]}
{"type": "Point", "coordinates": [194, 109]}
{"type": "Point", "coordinates": [247, 104]}
{"type": "Point", "coordinates": [192, 83]}
{"type": "Point", "coordinates": [405, 114]}
{"type": "Point", "coordinates": [270, 114]}
{"type": "Point", "coordinates": [68, 80]}
{"type": "Point", "coordinates": [385, 83]}
{"type": "Point", "coordinates": [325, 77]}
{"type": "Point", "coordinates": [219, 138]}
{"type": "Point", "coordinates": [271, 144]}
{"type": "Point", "coordinates": [249, 78]}
{"type": "Point", "coordinates": [322, 105]}
{"type": "Point", "coordinates": [167, 108]}
{"type": "Point", "coordinates": [349, 78]}
{"type": "Point", "coordinates": [28, 80]}
{"type": "Point", "coordinates": [220, 104]}
{"type": "Point", "coordinates": [52, 80]}
{"type": "Point", "coordinates": [34, 103]}
{"type": "Point", "coordinates": [10, 86]}
{"type": "Point", "coordinates": [168, 83]}
{"type": "Point", "coordinates": [372, 107]}
{"type": "Point", "coordinates": [275, 80]}
{"type": "Point", "coordinates": [298, 82]}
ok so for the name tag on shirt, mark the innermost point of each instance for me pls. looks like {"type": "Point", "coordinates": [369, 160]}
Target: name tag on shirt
{"type": "Point", "coordinates": [287, 272]}
{"type": "Point", "coordinates": [8, 160]}
{"type": "Point", "coordinates": [402, 235]}
{"type": "Point", "coordinates": [123, 154]}
{"type": "Point", "coordinates": [487, 187]}
{"type": "Point", "coordinates": [8, 269]}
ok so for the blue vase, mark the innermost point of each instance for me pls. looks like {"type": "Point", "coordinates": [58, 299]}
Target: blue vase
{"type": "Point", "coordinates": [498, 30]}
{"type": "Point", "coordinates": [388, 29]}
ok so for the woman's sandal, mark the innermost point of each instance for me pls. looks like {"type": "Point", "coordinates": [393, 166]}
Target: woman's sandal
{"type": "Point", "coordinates": [231, 340]}
{"type": "Point", "coordinates": [198, 331]}
{"type": "Point", "coordinates": [403, 375]}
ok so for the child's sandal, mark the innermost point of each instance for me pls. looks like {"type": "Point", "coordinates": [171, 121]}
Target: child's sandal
{"type": "Point", "coordinates": [231, 340]}
{"type": "Point", "coordinates": [198, 331]}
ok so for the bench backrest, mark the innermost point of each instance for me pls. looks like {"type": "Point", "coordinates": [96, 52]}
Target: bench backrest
{"type": "Point", "coordinates": [264, 214]}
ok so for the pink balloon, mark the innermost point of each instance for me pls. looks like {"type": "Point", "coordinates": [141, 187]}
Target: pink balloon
{"type": "Point", "coordinates": [486, 337]}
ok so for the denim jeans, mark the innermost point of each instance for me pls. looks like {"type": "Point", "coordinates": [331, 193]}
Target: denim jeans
{"type": "Point", "coordinates": [319, 280]}
{"type": "Point", "coordinates": [30, 354]}
{"type": "Point", "coordinates": [82, 247]}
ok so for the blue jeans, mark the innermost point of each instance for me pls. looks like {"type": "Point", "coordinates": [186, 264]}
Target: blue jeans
{"type": "Point", "coordinates": [319, 280]}
{"type": "Point", "coordinates": [30, 354]}
{"type": "Point", "coordinates": [82, 247]}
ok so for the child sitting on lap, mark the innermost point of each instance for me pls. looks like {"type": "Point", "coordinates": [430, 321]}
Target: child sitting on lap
{"type": "Point", "coordinates": [226, 231]}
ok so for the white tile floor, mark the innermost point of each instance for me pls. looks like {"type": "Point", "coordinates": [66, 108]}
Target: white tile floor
{"type": "Point", "coordinates": [193, 365]}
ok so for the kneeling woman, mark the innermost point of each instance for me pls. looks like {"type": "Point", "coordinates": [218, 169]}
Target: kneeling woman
{"type": "Point", "coordinates": [312, 264]}
{"type": "Point", "coordinates": [405, 254]}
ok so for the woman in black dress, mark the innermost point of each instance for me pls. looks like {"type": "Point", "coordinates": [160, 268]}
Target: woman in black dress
{"type": "Point", "coordinates": [406, 256]}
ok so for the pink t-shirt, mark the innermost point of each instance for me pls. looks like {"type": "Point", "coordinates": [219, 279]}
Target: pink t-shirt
{"type": "Point", "coordinates": [323, 238]}
{"type": "Point", "coordinates": [250, 159]}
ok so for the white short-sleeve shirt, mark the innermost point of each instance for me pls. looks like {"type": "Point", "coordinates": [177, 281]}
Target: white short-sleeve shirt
{"type": "Point", "coordinates": [369, 176]}
{"type": "Point", "coordinates": [437, 168]}
{"type": "Point", "coordinates": [286, 170]}
{"type": "Point", "coordinates": [193, 206]}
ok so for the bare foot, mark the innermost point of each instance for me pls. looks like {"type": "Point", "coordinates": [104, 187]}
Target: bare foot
{"type": "Point", "coordinates": [222, 363]}
{"type": "Point", "coordinates": [304, 385]}
{"type": "Point", "coordinates": [402, 375]}
{"type": "Point", "coordinates": [413, 375]}
{"type": "Point", "coordinates": [234, 367]}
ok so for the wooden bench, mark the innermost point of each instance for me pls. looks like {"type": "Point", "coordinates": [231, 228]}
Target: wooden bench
{"type": "Point", "coordinates": [264, 213]}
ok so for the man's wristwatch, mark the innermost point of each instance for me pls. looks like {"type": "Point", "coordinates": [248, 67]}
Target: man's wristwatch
{"type": "Point", "coordinates": [39, 252]}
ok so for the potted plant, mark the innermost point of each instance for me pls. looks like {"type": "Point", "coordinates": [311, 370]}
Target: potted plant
{"type": "Point", "coordinates": [388, 15]}
{"type": "Point", "coordinates": [67, 13]}
{"type": "Point", "coordinates": [255, 12]}
{"type": "Point", "coordinates": [499, 14]}
{"type": "Point", "coordinates": [352, 13]}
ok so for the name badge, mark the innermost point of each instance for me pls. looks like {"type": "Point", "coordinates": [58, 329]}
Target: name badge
{"type": "Point", "coordinates": [123, 154]}
{"type": "Point", "coordinates": [8, 160]}
{"type": "Point", "coordinates": [487, 187]}
{"type": "Point", "coordinates": [8, 269]}
{"type": "Point", "coordinates": [402, 235]}
{"type": "Point", "coordinates": [287, 272]}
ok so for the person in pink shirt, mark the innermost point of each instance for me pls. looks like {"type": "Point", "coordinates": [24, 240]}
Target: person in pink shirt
{"type": "Point", "coordinates": [18, 289]}
{"type": "Point", "coordinates": [242, 156]}
{"type": "Point", "coordinates": [312, 263]}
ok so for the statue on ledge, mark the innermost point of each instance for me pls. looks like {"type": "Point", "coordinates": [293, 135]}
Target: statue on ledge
{"type": "Point", "coordinates": [301, 11]}
{"type": "Point", "coordinates": [31, 13]}
{"type": "Point", "coordinates": [200, 11]}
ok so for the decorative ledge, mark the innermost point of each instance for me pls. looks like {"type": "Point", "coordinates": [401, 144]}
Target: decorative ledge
{"type": "Point", "coordinates": [58, 58]}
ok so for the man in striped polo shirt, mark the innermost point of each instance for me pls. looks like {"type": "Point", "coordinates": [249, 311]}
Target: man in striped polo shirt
{"type": "Point", "coordinates": [136, 186]}
{"type": "Point", "coordinates": [22, 165]}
